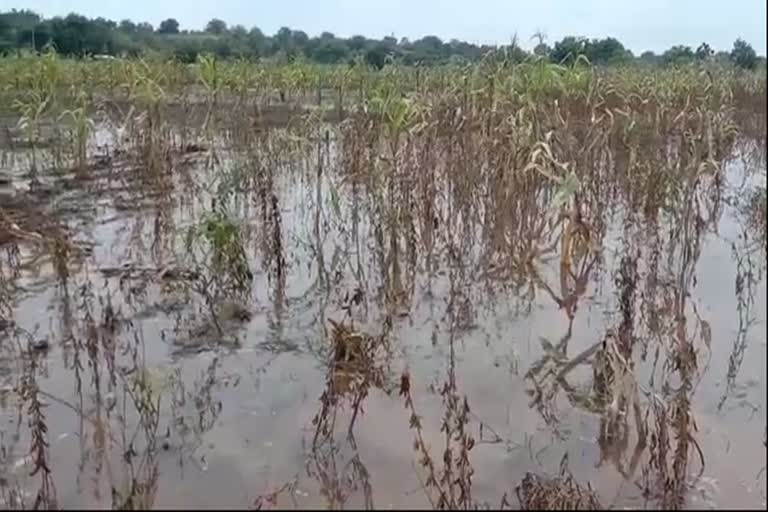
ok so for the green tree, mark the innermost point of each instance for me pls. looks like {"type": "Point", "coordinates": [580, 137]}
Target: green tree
{"type": "Point", "coordinates": [328, 51]}
{"type": "Point", "coordinates": [568, 49]}
{"type": "Point", "coordinates": [376, 56]}
{"type": "Point", "coordinates": [607, 51]}
{"type": "Point", "coordinates": [238, 31]}
{"type": "Point", "coordinates": [677, 55]}
{"type": "Point", "coordinates": [37, 37]}
{"type": "Point", "coordinates": [127, 26]}
{"type": "Point", "coordinates": [283, 37]}
{"type": "Point", "coordinates": [461, 50]}
{"type": "Point", "coordinates": [20, 19]}
{"type": "Point", "coordinates": [187, 49]}
{"type": "Point", "coordinates": [299, 39]}
{"type": "Point", "coordinates": [704, 52]}
{"type": "Point", "coordinates": [103, 22]}
{"type": "Point", "coordinates": [169, 26]}
{"type": "Point", "coordinates": [357, 43]}
{"type": "Point", "coordinates": [257, 41]}
{"type": "Point", "coordinates": [6, 36]}
{"type": "Point", "coordinates": [648, 57]}
{"type": "Point", "coordinates": [76, 35]}
{"type": "Point", "coordinates": [144, 27]}
{"type": "Point", "coordinates": [390, 42]}
{"type": "Point", "coordinates": [216, 26]}
{"type": "Point", "coordinates": [69, 34]}
{"type": "Point", "coordinates": [743, 55]}
{"type": "Point", "coordinates": [429, 50]}
{"type": "Point", "coordinates": [722, 57]}
{"type": "Point", "coordinates": [513, 52]}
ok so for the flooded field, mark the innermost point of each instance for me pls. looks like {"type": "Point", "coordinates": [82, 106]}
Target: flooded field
{"type": "Point", "coordinates": [520, 287]}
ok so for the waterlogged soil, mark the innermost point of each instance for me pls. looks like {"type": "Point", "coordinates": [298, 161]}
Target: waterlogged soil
{"type": "Point", "coordinates": [254, 388]}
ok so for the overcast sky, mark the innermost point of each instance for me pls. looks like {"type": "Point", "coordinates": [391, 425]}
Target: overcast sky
{"type": "Point", "coordinates": [639, 24]}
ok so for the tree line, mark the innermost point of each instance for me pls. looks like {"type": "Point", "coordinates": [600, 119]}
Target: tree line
{"type": "Point", "coordinates": [79, 36]}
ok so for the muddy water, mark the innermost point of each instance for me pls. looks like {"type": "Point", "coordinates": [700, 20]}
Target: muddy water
{"type": "Point", "coordinates": [270, 369]}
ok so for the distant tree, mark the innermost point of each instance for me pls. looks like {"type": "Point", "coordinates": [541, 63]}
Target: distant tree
{"type": "Point", "coordinates": [390, 42]}
{"type": "Point", "coordinates": [76, 35]}
{"type": "Point", "coordinates": [238, 31]}
{"type": "Point", "coordinates": [328, 51]}
{"type": "Point", "coordinates": [283, 36]}
{"type": "Point", "coordinates": [677, 55]}
{"type": "Point", "coordinates": [299, 39]}
{"type": "Point", "coordinates": [169, 26]}
{"type": "Point", "coordinates": [144, 27]}
{"type": "Point", "coordinates": [513, 51]}
{"type": "Point", "coordinates": [20, 19]}
{"type": "Point", "coordinates": [356, 43]}
{"type": "Point", "coordinates": [606, 51]}
{"type": "Point", "coordinates": [376, 56]}
{"type": "Point", "coordinates": [257, 41]}
{"type": "Point", "coordinates": [282, 39]}
{"type": "Point", "coordinates": [187, 49]}
{"type": "Point", "coordinates": [704, 52]}
{"type": "Point", "coordinates": [466, 51]}
{"type": "Point", "coordinates": [127, 26]}
{"type": "Point", "coordinates": [432, 43]}
{"type": "Point", "coordinates": [6, 36]}
{"type": "Point", "coordinates": [568, 49]}
{"type": "Point", "coordinates": [722, 57]}
{"type": "Point", "coordinates": [743, 55]}
{"type": "Point", "coordinates": [216, 26]}
{"type": "Point", "coordinates": [36, 37]}
{"type": "Point", "coordinates": [221, 47]}
{"type": "Point", "coordinates": [428, 49]}
{"type": "Point", "coordinates": [648, 57]}
{"type": "Point", "coordinates": [111, 25]}
{"type": "Point", "coordinates": [69, 34]}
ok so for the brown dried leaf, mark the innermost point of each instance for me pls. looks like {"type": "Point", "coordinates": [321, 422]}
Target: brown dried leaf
{"type": "Point", "coordinates": [405, 384]}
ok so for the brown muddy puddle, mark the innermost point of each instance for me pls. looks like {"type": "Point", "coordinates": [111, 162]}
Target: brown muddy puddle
{"type": "Point", "coordinates": [243, 424]}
